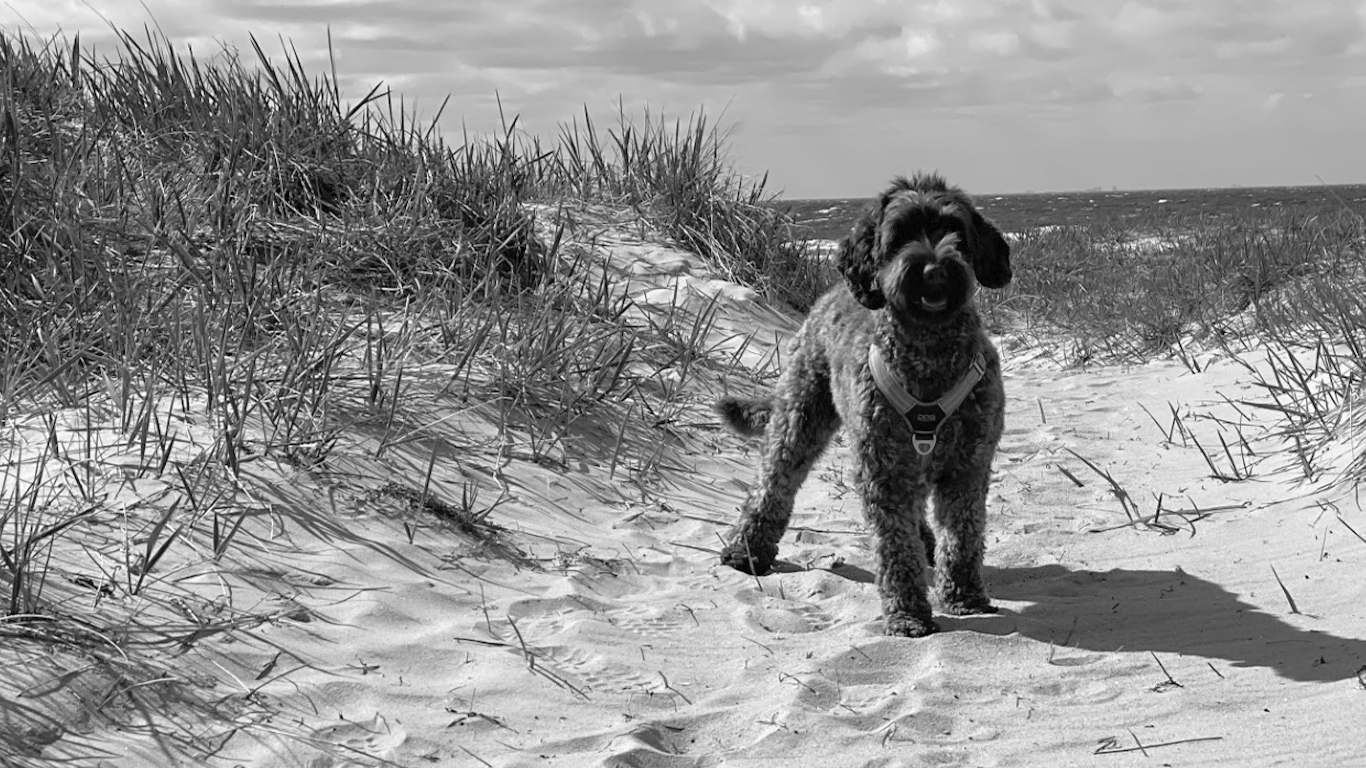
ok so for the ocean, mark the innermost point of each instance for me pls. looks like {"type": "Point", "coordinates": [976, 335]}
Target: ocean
{"type": "Point", "coordinates": [830, 219]}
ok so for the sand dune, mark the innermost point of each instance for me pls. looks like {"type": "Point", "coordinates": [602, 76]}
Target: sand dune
{"type": "Point", "coordinates": [590, 624]}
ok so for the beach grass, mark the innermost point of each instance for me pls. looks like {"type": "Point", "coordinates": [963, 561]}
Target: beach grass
{"type": "Point", "coordinates": [1133, 292]}
{"type": "Point", "coordinates": [1277, 291]}
{"type": "Point", "coordinates": [230, 263]}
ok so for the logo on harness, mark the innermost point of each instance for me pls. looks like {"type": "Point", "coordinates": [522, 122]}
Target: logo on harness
{"type": "Point", "coordinates": [925, 417]}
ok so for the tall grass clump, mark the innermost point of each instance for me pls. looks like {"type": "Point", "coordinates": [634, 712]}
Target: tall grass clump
{"type": "Point", "coordinates": [1311, 373]}
{"type": "Point", "coordinates": [680, 174]}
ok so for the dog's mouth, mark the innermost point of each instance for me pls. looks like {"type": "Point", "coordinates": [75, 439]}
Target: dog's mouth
{"type": "Point", "coordinates": [936, 288]}
{"type": "Point", "coordinates": [928, 289]}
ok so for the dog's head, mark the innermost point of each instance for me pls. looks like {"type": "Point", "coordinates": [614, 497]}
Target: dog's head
{"type": "Point", "coordinates": [923, 248]}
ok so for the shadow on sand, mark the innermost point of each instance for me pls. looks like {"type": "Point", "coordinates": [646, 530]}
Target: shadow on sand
{"type": "Point", "coordinates": [1158, 611]}
{"type": "Point", "coordinates": [1162, 612]}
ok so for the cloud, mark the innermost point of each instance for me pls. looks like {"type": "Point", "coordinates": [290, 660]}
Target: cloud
{"type": "Point", "coordinates": [1000, 43]}
{"type": "Point", "coordinates": [1006, 52]}
{"type": "Point", "coordinates": [1095, 70]}
{"type": "Point", "coordinates": [1148, 89]}
{"type": "Point", "coordinates": [833, 19]}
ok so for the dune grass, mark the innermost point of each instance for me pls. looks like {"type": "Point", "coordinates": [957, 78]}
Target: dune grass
{"type": "Point", "coordinates": [209, 263]}
{"type": "Point", "coordinates": [680, 173]}
{"type": "Point", "coordinates": [1277, 291]}
{"type": "Point", "coordinates": [1131, 292]}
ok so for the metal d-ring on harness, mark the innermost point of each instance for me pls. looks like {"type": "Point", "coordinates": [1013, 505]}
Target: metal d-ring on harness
{"type": "Point", "coordinates": [923, 418]}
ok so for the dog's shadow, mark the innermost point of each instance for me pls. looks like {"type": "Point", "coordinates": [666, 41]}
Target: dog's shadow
{"type": "Point", "coordinates": [1163, 612]}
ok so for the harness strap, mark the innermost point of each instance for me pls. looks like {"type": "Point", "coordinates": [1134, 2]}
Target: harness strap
{"type": "Point", "coordinates": [923, 418]}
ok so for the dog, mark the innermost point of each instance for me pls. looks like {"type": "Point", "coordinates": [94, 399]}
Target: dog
{"type": "Point", "coordinates": [898, 356]}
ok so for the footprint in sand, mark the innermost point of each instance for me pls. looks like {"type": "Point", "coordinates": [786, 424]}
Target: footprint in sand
{"type": "Point", "coordinates": [650, 622]}
{"type": "Point", "coordinates": [592, 671]}
{"type": "Point", "coordinates": [858, 686]}
{"type": "Point", "coordinates": [778, 616]}
{"type": "Point", "coordinates": [376, 738]}
{"type": "Point", "coordinates": [891, 691]}
{"type": "Point", "coordinates": [926, 728]}
{"type": "Point", "coordinates": [540, 617]}
{"type": "Point", "coordinates": [1081, 680]}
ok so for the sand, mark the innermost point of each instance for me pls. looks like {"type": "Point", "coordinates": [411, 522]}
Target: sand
{"type": "Point", "coordinates": [593, 625]}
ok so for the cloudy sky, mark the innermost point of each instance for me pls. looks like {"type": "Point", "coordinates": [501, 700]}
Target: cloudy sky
{"type": "Point", "coordinates": [832, 98]}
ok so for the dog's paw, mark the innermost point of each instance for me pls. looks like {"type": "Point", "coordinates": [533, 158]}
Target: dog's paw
{"type": "Point", "coordinates": [906, 625]}
{"type": "Point", "coordinates": [754, 559]}
{"type": "Point", "coordinates": [967, 605]}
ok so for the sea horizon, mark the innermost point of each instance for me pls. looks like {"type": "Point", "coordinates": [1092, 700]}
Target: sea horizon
{"type": "Point", "coordinates": [829, 218]}
{"type": "Point", "coordinates": [1103, 190]}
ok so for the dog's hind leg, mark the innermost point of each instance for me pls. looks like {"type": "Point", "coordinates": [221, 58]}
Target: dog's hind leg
{"type": "Point", "coordinates": [800, 425]}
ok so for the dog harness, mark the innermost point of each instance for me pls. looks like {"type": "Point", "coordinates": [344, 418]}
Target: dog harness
{"type": "Point", "coordinates": [923, 418]}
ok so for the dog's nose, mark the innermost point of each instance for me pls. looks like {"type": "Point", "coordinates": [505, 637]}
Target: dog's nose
{"type": "Point", "coordinates": [935, 275]}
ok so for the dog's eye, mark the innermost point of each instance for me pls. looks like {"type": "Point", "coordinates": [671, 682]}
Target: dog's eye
{"type": "Point", "coordinates": [953, 226]}
{"type": "Point", "coordinates": [962, 228]}
{"type": "Point", "coordinates": [957, 218]}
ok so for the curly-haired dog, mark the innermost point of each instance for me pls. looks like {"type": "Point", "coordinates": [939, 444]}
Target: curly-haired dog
{"type": "Point", "coordinates": [899, 357]}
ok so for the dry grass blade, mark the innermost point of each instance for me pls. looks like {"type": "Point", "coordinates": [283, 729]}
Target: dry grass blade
{"type": "Point", "coordinates": [1068, 474]}
{"type": "Point", "coordinates": [1111, 746]}
{"type": "Point", "coordinates": [1288, 598]}
{"type": "Point", "coordinates": [155, 547]}
{"type": "Point", "coordinates": [1350, 528]}
{"type": "Point", "coordinates": [1170, 682]}
{"type": "Point", "coordinates": [1117, 490]}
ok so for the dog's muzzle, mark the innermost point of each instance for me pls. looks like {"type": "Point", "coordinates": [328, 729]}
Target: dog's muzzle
{"type": "Point", "coordinates": [934, 287]}
{"type": "Point", "coordinates": [929, 282]}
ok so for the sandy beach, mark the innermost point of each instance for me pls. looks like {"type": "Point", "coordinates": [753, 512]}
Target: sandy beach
{"type": "Point", "coordinates": [1151, 614]}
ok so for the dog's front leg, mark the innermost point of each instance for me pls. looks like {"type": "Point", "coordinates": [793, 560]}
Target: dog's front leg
{"type": "Point", "coordinates": [960, 509]}
{"type": "Point", "coordinates": [895, 509]}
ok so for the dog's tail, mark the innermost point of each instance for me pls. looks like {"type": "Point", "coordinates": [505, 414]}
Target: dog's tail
{"type": "Point", "coordinates": [747, 416]}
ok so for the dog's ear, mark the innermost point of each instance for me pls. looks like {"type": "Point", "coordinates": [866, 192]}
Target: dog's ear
{"type": "Point", "coordinates": [857, 259]}
{"type": "Point", "coordinates": [990, 252]}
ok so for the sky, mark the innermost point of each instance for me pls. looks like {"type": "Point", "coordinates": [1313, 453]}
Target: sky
{"type": "Point", "coordinates": [832, 99]}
